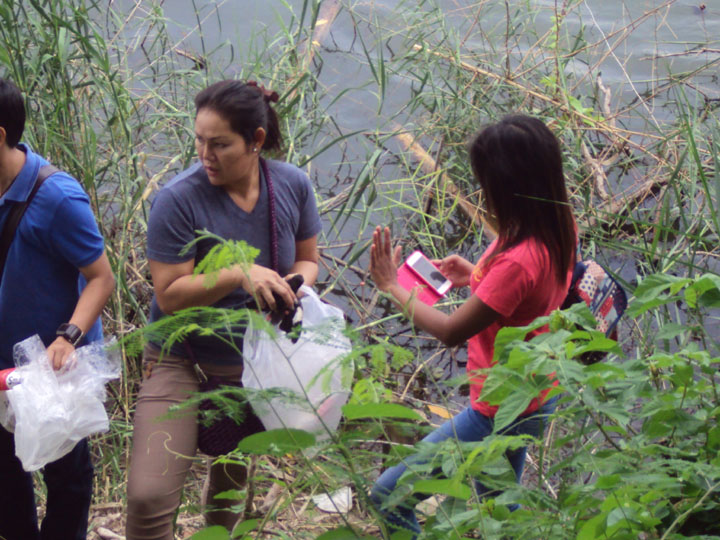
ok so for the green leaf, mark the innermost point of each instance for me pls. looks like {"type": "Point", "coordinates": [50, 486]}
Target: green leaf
{"type": "Point", "coordinates": [713, 438]}
{"type": "Point", "coordinates": [342, 533]}
{"type": "Point", "coordinates": [277, 442]}
{"type": "Point", "coordinates": [607, 482]}
{"type": "Point", "coordinates": [637, 308]}
{"type": "Point", "coordinates": [217, 532]}
{"type": "Point", "coordinates": [598, 343]}
{"type": "Point", "coordinates": [510, 409]}
{"type": "Point", "coordinates": [683, 374]}
{"type": "Point", "coordinates": [593, 528]}
{"type": "Point", "coordinates": [656, 284]}
{"type": "Point", "coordinates": [379, 410]}
{"type": "Point", "coordinates": [245, 527]}
{"type": "Point", "coordinates": [609, 371]}
{"type": "Point", "coordinates": [224, 254]}
{"type": "Point", "coordinates": [671, 330]}
{"type": "Point", "coordinates": [509, 334]}
{"type": "Point", "coordinates": [445, 486]}
{"type": "Point", "coordinates": [704, 291]}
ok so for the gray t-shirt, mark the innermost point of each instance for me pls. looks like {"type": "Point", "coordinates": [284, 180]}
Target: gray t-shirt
{"type": "Point", "coordinates": [190, 203]}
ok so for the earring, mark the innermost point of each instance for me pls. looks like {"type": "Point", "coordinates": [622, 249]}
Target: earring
{"type": "Point", "coordinates": [254, 149]}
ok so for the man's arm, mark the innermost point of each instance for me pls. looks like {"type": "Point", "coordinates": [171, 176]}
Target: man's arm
{"type": "Point", "coordinates": [100, 284]}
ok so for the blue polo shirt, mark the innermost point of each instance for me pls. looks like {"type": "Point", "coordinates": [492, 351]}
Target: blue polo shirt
{"type": "Point", "coordinates": [58, 235]}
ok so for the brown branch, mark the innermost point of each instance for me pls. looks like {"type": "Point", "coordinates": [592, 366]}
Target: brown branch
{"type": "Point", "coordinates": [603, 125]}
{"type": "Point", "coordinates": [429, 166]}
{"type": "Point", "coordinates": [326, 16]}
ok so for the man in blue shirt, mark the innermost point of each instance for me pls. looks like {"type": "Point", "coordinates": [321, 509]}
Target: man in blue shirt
{"type": "Point", "coordinates": [55, 283]}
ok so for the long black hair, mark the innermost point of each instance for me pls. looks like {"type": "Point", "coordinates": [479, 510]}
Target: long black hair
{"type": "Point", "coordinates": [246, 106]}
{"type": "Point", "coordinates": [518, 164]}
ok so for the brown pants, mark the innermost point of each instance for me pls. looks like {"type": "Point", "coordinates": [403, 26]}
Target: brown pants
{"type": "Point", "coordinates": [164, 448]}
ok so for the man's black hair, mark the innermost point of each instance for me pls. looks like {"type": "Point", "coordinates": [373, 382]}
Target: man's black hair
{"type": "Point", "coordinates": [12, 112]}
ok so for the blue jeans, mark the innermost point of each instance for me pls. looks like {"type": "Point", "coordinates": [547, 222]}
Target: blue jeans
{"type": "Point", "coordinates": [69, 490]}
{"type": "Point", "coordinates": [468, 426]}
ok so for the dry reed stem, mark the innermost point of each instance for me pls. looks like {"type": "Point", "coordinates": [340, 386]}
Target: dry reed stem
{"type": "Point", "coordinates": [326, 16]}
{"type": "Point", "coordinates": [597, 172]}
{"type": "Point", "coordinates": [607, 127]}
{"type": "Point", "coordinates": [307, 48]}
{"type": "Point", "coordinates": [635, 195]}
{"type": "Point", "coordinates": [602, 126]}
{"type": "Point", "coordinates": [429, 166]}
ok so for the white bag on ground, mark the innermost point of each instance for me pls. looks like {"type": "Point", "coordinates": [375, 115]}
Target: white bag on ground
{"type": "Point", "coordinates": [54, 410]}
{"type": "Point", "coordinates": [309, 380]}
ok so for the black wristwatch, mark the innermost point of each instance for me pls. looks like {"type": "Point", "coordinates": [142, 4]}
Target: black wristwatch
{"type": "Point", "coordinates": [70, 332]}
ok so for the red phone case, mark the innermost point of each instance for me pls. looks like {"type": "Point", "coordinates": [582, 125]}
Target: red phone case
{"type": "Point", "coordinates": [409, 280]}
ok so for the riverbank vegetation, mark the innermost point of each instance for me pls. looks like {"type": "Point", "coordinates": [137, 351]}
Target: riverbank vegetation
{"type": "Point", "coordinates": [378, 114]}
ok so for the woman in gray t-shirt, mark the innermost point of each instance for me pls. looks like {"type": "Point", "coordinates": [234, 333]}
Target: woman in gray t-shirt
{"type": "Point", "coordinates": [237, 195]}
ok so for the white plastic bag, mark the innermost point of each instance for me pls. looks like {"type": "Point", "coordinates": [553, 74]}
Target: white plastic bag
{"type": "Point", "coordinates": [312, 383]}
{"type": "Point", "coordinates": [55, 410]}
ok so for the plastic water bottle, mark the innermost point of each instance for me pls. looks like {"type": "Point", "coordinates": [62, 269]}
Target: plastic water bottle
{"type": "Point", "coordinates": [8, 379]}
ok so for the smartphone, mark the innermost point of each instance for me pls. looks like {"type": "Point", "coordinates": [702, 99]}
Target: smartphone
{"type": "Point", "coordinates": [428, 272]}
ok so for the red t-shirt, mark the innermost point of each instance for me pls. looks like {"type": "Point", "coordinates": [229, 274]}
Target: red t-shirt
{"type": "Point", "coordinates": [519, 284]}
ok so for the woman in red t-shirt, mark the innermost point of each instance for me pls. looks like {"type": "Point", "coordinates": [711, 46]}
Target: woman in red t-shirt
{"type": "Point", "coordinates": [524, 274]}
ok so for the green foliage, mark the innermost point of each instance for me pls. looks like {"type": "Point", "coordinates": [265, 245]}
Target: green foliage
{"type": "Point", "coordinates": [277, 442]}
{"type": "Point", "coordinates": [224, 254]}
{"type": "Point", "coordinates": [342, 533]}
{"type": "Point", "coordinates": [215, 532]}
{"type": "Point", "coordinates": [379, 410]}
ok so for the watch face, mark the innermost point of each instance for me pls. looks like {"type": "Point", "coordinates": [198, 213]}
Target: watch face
{"type": "Point", "coordinates": [70, 332]}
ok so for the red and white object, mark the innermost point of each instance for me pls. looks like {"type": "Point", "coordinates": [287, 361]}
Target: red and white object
{"type": "Point", "coordinates": [9, 378]}
{"type": "Point", "coordinates": [419, 273]}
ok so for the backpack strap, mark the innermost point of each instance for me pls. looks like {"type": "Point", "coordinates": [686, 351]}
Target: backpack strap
{"type": "Point", "coordinates": [16, 214]}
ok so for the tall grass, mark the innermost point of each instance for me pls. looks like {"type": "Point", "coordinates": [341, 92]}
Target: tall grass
{"type": "Point", "coordinates": [110, 100]}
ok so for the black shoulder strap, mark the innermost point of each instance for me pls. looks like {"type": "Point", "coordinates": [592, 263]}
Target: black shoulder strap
{"type": "Point", "coordinates": [16, 214]}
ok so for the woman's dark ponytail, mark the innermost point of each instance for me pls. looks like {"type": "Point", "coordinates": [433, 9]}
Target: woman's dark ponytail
{"type": "Point", "coordinates": [273, 136]}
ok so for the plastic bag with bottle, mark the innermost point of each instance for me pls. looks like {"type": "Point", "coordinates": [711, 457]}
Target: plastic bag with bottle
{"type": "Point", "coordinates": [300, 383]}
{"type": "Point", "coordinates": [51, 411]}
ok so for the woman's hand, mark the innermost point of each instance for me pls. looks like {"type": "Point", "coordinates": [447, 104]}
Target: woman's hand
{"type": "Point", "coordinates": [456, 269]}
{"type": "Point", "coordinates": [384, 261]}
{"type": "Point", "coordinates": [261, 282]}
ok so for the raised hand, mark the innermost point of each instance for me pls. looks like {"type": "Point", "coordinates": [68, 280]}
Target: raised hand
{"type": "Point", "coordinates": [384, 260]}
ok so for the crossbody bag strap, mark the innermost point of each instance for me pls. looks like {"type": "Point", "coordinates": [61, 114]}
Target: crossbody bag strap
{"type": "Point", "coordinates": [16, 214]}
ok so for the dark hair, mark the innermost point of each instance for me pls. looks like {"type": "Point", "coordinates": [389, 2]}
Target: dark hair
{"type": "Point", "coordinates": [519, 166]}
{"type": "Point", "coordinates": [246, 107]}
{"type": "Point", "coordinates": [12, 112]}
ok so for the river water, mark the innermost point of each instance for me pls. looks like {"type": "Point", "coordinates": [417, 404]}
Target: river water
{"type": "Point", "coordinates": [634, 47]}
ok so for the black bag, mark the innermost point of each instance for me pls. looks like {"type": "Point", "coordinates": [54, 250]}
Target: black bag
{"type": "Point", "coordinates": [222, 435]}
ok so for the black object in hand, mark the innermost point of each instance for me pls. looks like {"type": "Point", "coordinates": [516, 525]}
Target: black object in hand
{"type": "Point", "coordinates": [288, 317]}
{"type": "Point", "coordinates": [280, 306]}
